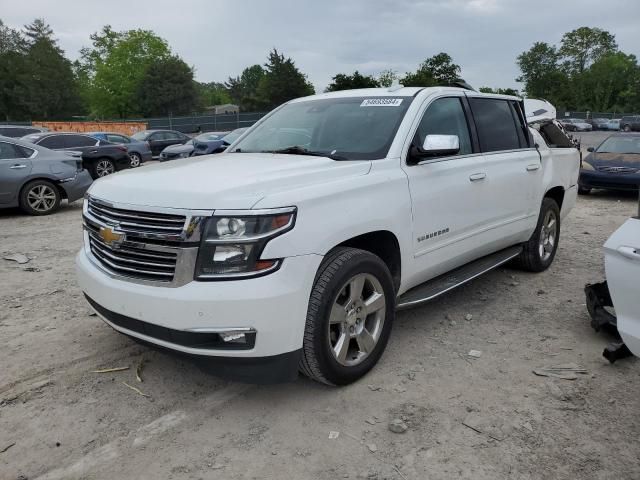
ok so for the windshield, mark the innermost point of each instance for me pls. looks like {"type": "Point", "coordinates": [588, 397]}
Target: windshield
{"type": "Point", "coordinates": [351, 128]}
{"type": "Point", "coordinates": [233, 136]}
{"type": "Point", "coordinates": [620, 145]}
{"type": "Point", "coordinates": [140, 135]}
{"type": "Point", "coordinates": [209, 137]}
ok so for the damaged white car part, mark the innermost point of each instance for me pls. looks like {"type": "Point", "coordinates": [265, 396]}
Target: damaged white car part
{"type": "Point", "coordinates": [620, 291]}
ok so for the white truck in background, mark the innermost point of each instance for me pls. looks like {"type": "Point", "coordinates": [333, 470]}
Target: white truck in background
{"type": "Point", "coordinates": [293, 250]}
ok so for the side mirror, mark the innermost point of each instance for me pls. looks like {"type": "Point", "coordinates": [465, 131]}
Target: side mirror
{"type": "Point", "coordinates": [437, 146]}
{"type": "Point", "coordinates": [591, 149]}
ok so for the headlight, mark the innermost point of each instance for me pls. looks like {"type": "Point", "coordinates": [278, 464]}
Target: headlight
{"type": "Point", "coordinates": [232, 244]}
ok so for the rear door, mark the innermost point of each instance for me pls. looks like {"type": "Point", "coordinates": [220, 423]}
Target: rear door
{"type": "Point", "coordinates": [15, 167]}
{"type": "Point", "coordinates": [157, 142]}
{"type": "Point", "coordinates": [512, 165]}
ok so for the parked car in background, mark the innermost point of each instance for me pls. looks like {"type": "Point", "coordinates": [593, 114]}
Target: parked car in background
{"type": "Point", "coordinates": [161, 139]}
{"type": "Point", "coordinates": [630, 123]}
{"type": "Point", "coordinates": [575, 125]}
{"type": "Point", "coordinates": [17, 131]}
{"type": "Point", "coordinates": [599, 123]}
{"type": "Point", "coordinates": [99, 157]}
{"type": "Point", "coordinates": [207, 145]}
{"type": "Point", "coordinates": [614, 164]}
{"type": "Point", "coordinates": [173, 152]}
{"type": "Point", "coordinates": [36, 179]}
{"type": "Point", "coordinates": [139, 151]}
{"type": "Point", "coordinates": [613, 125]}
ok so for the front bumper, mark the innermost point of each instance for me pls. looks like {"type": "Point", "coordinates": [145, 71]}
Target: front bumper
{"type": "Point", "coordinates": [273, 306]}
{"type": "Point", "coordinates": [76, 188]}
{"type": "Point", "coordinates": [610, 181]}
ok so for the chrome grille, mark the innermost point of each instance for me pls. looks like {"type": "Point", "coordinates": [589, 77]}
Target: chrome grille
{"type": "Point", "coordinates": [149, 245]}
{"type": "Point", "coordinates": [132, 259]}
{"type": "Point", "coordinates": [137, 221]}
{"type": "Point", "coordinates": [619, 170]}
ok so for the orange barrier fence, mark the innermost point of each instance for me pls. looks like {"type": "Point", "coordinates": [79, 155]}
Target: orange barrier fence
{"type": "Point", "coordinates": [127, 128]}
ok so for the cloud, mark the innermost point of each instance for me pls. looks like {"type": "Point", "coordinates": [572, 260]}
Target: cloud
{"type": "Point", "coordinates": [221, 37]}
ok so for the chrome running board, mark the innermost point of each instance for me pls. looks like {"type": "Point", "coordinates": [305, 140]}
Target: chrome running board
{"type": "Point", "coordinates": [434, 288]}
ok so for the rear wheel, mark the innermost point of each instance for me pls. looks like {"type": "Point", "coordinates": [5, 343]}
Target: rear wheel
{"type": "Point", "coordinates": [538, 253]}
{"type": "Point", "coordinates": [351, 310]}
{"type": "Point", "coordinates": [584, 191]}
{"type": "Point", "coordinates": [627, 128]}
{"type": "Point", "coordinates": [135, 159]}
{"type": "Point", "coordinates": [102, 167]}
{"type": "Point", "coordinates": [39, 197]}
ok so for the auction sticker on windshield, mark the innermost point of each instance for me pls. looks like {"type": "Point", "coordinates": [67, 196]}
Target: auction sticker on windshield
{"type": "Point", "coordinates": [381, 102]}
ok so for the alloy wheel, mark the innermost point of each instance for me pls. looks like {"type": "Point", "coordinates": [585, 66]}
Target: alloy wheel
{"type": "Point", "coordinates": [356, 319]}
{"type": "Point", "coordinates": [135, 160]}
{"type": "Point", "coordinates": [104, 168]}
{"type": "Point", "coordinates": [41, 198]}
{"type": "Point", "coordinates": [548, 235]}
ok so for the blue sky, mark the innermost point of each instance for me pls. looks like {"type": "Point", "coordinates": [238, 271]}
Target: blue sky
{"type": "Point", "coordinates": [221, 37]}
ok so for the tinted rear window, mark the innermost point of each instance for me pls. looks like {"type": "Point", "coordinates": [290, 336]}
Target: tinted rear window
{"type": "Point", "coordinates": [55, 141]}
{"type": "Point", "coordinates": [495, 124]}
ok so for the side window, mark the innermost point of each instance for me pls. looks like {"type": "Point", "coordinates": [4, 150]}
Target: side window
{"type": "Point", "coordinates": [54, 141]}
{"type": "Point", "coordinates": [9, 151]}
{"type": "Point", "coordinates": [172, 136]}
{"type": "Point", "coordinates": [156, 137]}
{"type": "Point", "coordinates": [522, 128]}
{"type": "Point", "coordinates": [72, 141]}
{"type": "Point", "coordinates": [496, 127]}
{"type": "Point", "coordinates": [445, 116]}
{"type": "Point", "coordinates": [115, 138]}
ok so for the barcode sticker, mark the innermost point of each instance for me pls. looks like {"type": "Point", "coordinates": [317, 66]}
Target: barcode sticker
{"type": "Point", "coordinates": [381, 102]}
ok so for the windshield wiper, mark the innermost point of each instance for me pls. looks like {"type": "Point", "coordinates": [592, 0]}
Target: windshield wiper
{"type": "Point", "coordinates": [298, 150]}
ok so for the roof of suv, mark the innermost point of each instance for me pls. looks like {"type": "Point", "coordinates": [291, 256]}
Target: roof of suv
{"type": "Point", "coordinates": [396, 91]}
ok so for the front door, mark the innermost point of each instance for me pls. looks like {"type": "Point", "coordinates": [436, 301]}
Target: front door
{"type": "Point", "coordinates": [449, 194]}
{"type": "Point", "coordinates": [15, 167]}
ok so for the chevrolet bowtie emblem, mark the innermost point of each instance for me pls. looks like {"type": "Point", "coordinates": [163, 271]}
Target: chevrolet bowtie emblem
{"type": "Point", "coordinates": [111, 238]}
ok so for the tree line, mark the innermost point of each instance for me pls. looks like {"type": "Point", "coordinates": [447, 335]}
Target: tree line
{"type": "Point", "coordinates": [134, 73]}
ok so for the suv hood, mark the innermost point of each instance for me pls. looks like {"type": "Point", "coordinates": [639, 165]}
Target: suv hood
{"type": "Point", "coordinates": [223, 181]}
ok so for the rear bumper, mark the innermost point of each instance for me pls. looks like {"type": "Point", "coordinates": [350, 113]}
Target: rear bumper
{"type": "Point", "coordinates": [595, 179]}
{"type": "Point", "coordinates": [76, 188]}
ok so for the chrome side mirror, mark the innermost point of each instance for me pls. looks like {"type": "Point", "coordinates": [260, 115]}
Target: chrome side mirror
{"type": "Point", "coordinates": [438, 145]}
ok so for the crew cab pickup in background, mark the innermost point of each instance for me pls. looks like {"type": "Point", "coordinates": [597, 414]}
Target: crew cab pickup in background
{"type": "Point", "coordinates": [294, 248]}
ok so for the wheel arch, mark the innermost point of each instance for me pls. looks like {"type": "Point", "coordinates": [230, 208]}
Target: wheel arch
{"type": "Point", "coordinates": [557, 194]}
{"type": "Point", "coordinates": [383, 244]}
{"type": "Point", "coordinates": [53, 180]}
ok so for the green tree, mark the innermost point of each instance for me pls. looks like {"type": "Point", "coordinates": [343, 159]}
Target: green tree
{"type": "Point", "coordinates": [167, 86]}
{"type": "Point", "coordinates": [243, 90]}
{"type": "Point", "coordinates": [436, 70]}
{"type": "Point", "coordinates": [349, 82]}
{"type": "Point", "coordinates": [212, 93]}
{"type": "Point", "coordinates": [542, 75]}
{"type": "Point", "coordinates": [13, 74]}
{"type": "Point", "coordinates": [583, 46]}
{"type": "Point", "coordinates": [611, 81]}
{"type": "Point", "coordinates": [500, 91]}
{"type": "Point", "coordinates": [386, 77]}
{"type": "Point", "coordinates": [282, 81]}
{"type": "Point", "coordinates": [115, 67]}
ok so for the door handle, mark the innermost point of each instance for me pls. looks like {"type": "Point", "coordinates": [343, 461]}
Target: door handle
{"type": "Point", "coordinates": [533, 167]}
{"type": "Point", "coordinates": [629, 252]}
{"type": "Point", "coordinates": [477, 176]}
{"type": "Point", "coordinates": [17, 166]}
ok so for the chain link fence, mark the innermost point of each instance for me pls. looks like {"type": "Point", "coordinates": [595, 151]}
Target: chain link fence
{"type": "Point", "coordinates": [585, 115]}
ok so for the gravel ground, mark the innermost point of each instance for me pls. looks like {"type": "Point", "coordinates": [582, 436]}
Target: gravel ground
{"type": "Point", "coordinates": [482, 418]}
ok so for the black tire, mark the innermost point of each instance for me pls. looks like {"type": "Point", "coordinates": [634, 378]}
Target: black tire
{"type": "Point", "coordinates": [531, 258]}
{"type": "Point", "coordinates": [626, 128]}
{"type": "Point", "coordinates": [95, 170]}
{"type": "Point", "coordinates": [338, 267]}
{"type": "Point", "coordinates": [583, 191]}
{"type": "Point", "coordinates": [30, 205]}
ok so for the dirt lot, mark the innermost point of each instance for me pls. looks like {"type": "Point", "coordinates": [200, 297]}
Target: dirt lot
{"type": "Point", "coordinates": [58, 420]}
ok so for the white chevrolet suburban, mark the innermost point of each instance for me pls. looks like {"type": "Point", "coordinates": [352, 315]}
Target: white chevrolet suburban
{"type": "Point", "coordinates": [294, 249]}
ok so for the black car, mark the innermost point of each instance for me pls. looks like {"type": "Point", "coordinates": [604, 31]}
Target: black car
{"type": "Point", "coordinates": [161, 139]}
{"type": "Point", "coordinates": [630, 123]}
{"type": "Point", "coordinates": [613, 165]}
{"type": "Point", "coordinates": [99, 157]}
{"type": "Point", "coordinates": [17, 131]}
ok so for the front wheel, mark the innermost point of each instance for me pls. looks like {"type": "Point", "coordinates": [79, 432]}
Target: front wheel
{"type": "Point", "coordinates": [626, 128]}
{"type": "Point", "coordinates": [349, 318]}
{"type": "Point", "coordinates": [538, 253]}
